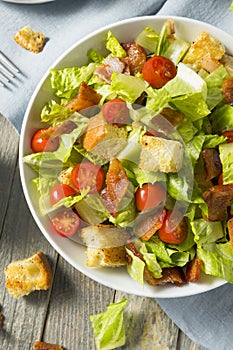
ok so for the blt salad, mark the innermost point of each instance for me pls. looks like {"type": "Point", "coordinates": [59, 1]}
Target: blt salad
{"type": "Point", "coordinates": [135, 159]}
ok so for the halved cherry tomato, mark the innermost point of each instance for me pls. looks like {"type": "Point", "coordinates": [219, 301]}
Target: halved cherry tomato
{"type": "Point", "coordinates": [229, 135]}
{"type": "Point", "coordinates": [42, 141]}
{"type": "Point", "coordinates": [158, 70]}
{"type": "Point", "coordinates": [115, 112]}
{"type": "Point", "coordinates": [66, 223]}
{"type": "Point", "coordinates": [59, 192]}
{"type": "Point", "coordinates": [174, 229]}
{"type": "Point", "coordinates": [86, 175]}
{"type": "Point", "coordinates": [149, 196]}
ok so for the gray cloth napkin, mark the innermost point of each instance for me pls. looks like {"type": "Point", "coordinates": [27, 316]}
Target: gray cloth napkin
{"type": "Point", "coordinates": [206, 318]}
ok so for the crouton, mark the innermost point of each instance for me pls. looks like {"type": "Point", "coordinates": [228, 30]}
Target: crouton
{"type": "Point", "coordinates": [30, 39]}
{"type": "Point", "coordinates": [65, 177]}
{"type": "Point", "coordinates": [102, 139]}
{"type": "Point", "coordinates": [29, 274]}
{"type": "Point", "coordinates": [87, 97]}
{"type": "Point", "coordinates": [105, 245]}
{"type": "Point", "coordinates": [205, 52]}
{"type": "Point", "coordinates": [159, 154]}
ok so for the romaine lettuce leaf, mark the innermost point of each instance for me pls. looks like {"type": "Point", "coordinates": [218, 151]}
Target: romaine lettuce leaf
{"type": "Point", "coordinates": [108, 327]}
{"type": "Point", "coordinates": [206, 231]}
{"type": "Point", "coordinates": [113, 45]}
{"type": "Point", "coordinates": [66, 81]}
{"type": "Point", "coordinates": [222, 118]}
{"type": "Point", "coordinates": [214, 83]}
{"type": "Point", "coordinates": [217, 260]}
{"type": "Point", "coordinates": [148, 39]}
{"type": "Point", "coordinates": [176, 50]}
{"type": "Point", "coordinates": [128, 87]}
{"type": "Point", "coordinates": [226, 156]}
{"type": "Point", "coordinates": [136, 268]}
{"type": "Point", "coordinates": [53, 113]}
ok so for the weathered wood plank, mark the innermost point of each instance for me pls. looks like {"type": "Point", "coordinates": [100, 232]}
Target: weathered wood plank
{"type": "Point", "coordinates": [24, 317]}
{"type": "Point", "coordinates": [74, 298]}
{"type": "Point", "coordinates": [8, 161]}
{"type": "Point", "coordinates": [146, 325]}
{"type": "Point", "coordinates": [185, 343]}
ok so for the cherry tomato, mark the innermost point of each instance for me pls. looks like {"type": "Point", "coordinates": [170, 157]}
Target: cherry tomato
{"type": "Point", "coordinates": [66, 223]}
{"type": "Point", "coordinates": [229, 135]}
{"type": "Point", "coordinates": [158, 70]}
{"type": "Point", "coordinates": [86, 175]}
{"type": "Point", "coordinates": [149, 196]}
{"type": "Point", "coordinates": [59, 192]}
{"type": "Point", "coordinates": [42, 141]}
{"type": "Point", "coordinates": [174, 229]}
{"type": "Point", "coordinates": [115, 112]}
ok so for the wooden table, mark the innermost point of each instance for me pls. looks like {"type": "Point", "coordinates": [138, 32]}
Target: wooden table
{"type": "Point", "coordinates": [61, 315]}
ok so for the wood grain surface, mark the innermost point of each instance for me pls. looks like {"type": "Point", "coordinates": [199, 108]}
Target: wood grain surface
{"type": "Point", "coordinates": [61, 315]}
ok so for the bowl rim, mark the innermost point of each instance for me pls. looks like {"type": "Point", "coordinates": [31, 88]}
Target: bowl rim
{"type": "Point", "coordinates": [164, 291]}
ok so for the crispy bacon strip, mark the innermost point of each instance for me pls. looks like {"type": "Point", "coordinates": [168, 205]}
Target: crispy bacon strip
{"type": "Point", "coordinates": [230, 231]}
{"type": "Point", "coordinates": [218, 199]}
{"type": "Point", "coordinates": [174, 275]}
{"type": "Point", "coordinates": [147, 225]}
{"type": "Point", "coordinates": [86, 97]}
{"type": "Point", "coordinates": [193, 270]}
{"type": "Point", "coordinates": [117, 185]}
{"type": "Point", "coordinates": [212, 163]}
{"type": "Point", "coordinates": [41, 345]}
{"type": "Point", "coordinates": [227, 89]}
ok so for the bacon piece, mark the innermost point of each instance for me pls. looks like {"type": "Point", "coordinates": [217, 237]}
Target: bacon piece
{"type": "Point", "coordinates": [227, 89]}
{"type": "Point", "coordinates": [109, 65]}
{"type": "Point", "coordinates": [193, 270]}
{"type": "Point", "coordinates": [218, 199]}
{"type": "Point", "coordinates": [136, 57]}
{"type": "Point", "coordinates": [230, 231]}
{"type": "Point", "coordinates": [148, 224]}
{"type": "Point", "coordinates": [117, 185]}
{"type": "Point", "coordinates": [41, 345]}
{"type": "Point", "coordinates": [86, 97]}
{"type": "Point", "coordinates": [212, 163]}
{"type": "Point", "coordinates": [174, 275]}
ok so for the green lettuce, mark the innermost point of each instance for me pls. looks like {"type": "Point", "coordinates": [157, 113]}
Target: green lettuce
{"type": "Point", "coordinates": [176, 50]}
{"type": "Point", "coordinates": [226, 156]}
{"type": "Point", "coordinates": [53, 113]}
{"type": "Point", "coordinates": [217, 260]}
{"type": "Point", "coordinates": [128, 87]}
{"type": "Point", "coordinates": [148, 39]}
{"type": "Point", "coordinates": [113, 45]}
{"type": "Point", "coordinates": [222, 118]}
{"type": "Point", "coordinates": [214, 83]}
{"type": "Point", "coordinates": [206, 231]}
{"type": "Point", "coordinates": [108, 327]}
{"type": "Point", "coordinates": [67, 81]}
{"type": "Point", "coordinates": [136, 268]}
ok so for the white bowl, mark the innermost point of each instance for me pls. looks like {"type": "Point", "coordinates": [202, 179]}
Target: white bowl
{"type": "Point", "coordinates": [126, 30]}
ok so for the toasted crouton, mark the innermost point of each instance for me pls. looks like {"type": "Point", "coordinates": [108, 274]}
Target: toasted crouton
{"type": "Point", "coordinates": [102, 139]}
{"type": "Point", "coordinates": [30, 39]}
{"type": "Point", "coordinates": [159, 154]}
{"type": "Point", "coordinates": [105, 245]}
{"type": "Point", "coordinates": [29, 274]}
{"type": "Point", "coordinates": [205, 52]}
{"type": "Point", "coordinates": [65, 177]}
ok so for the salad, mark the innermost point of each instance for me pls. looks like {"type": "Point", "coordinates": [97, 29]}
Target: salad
{"type": "Point", "coordinates": [135, 157]}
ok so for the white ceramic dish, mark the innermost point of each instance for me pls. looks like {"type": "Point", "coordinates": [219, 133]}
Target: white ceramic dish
{"type": "Point", "coordinates": [28, 2]}
{"type": "Point", "coordinates": [116, 278]}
